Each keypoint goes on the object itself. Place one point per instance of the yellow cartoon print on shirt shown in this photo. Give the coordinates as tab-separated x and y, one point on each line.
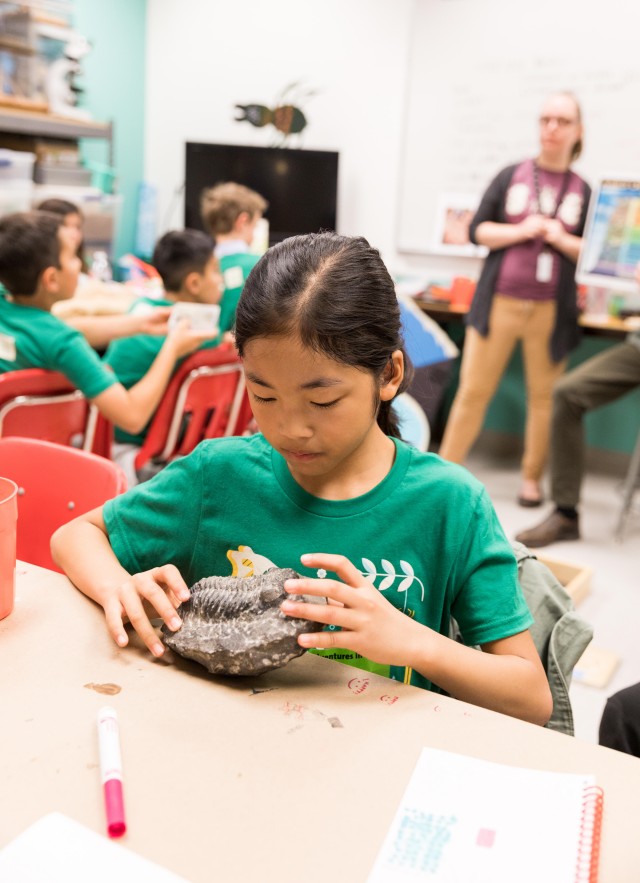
246	562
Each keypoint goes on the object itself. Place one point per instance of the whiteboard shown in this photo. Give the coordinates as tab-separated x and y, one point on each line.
479	71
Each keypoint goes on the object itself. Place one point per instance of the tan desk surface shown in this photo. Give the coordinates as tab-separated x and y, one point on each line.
95	298
294	776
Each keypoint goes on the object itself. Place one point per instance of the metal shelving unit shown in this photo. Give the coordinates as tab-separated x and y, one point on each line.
24	122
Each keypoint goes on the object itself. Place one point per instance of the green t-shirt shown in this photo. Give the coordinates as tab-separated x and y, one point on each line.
427	535
34	338
235	268
131	357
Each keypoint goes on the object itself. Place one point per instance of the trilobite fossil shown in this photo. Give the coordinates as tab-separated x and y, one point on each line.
234	625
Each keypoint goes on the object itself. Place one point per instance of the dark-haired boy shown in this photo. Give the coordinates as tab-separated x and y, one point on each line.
39	266
190	273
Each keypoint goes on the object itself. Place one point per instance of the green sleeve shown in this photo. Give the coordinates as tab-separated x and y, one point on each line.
157	522
77	360
489	604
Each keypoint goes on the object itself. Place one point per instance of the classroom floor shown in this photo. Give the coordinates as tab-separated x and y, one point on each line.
613	605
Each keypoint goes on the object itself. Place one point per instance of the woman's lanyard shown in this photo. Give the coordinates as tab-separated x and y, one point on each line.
544	264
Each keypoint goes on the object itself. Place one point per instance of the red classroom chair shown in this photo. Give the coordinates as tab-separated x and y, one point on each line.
55	484
35	403
206	398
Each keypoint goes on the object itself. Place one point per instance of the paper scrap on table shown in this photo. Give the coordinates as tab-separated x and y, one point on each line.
57	849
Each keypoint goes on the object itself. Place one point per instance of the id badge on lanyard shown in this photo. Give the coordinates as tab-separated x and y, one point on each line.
544	266
544	263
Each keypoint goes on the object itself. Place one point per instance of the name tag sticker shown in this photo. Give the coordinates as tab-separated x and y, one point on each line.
7	348
544	266
233	277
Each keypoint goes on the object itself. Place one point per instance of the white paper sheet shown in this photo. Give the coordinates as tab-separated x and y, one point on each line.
463	819
57	849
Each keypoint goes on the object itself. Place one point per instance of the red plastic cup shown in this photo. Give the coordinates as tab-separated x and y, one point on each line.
8	522
462	291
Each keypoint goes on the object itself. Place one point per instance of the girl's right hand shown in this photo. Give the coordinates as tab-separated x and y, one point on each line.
161	589
184	341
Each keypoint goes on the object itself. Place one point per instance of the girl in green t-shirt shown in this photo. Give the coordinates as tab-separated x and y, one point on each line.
318	328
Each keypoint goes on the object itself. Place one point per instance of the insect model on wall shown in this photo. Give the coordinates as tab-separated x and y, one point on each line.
285	117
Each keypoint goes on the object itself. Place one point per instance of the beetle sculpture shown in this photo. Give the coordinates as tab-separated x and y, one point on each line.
287	118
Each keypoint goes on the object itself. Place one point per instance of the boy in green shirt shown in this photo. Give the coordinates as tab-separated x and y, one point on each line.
190	274
39	266
230	212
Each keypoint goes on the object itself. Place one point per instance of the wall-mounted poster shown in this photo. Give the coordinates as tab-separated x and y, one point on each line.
455	212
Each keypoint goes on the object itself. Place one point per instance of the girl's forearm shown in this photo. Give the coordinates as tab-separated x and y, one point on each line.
101	330
131	409
146	394
503	682
82	550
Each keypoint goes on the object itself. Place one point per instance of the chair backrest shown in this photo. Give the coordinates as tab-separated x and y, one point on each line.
413	422
55	484
206	398
35	403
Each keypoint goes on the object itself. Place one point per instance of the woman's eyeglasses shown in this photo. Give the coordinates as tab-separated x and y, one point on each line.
561	122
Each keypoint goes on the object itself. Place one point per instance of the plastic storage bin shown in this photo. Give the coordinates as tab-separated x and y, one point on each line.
15	196
16	165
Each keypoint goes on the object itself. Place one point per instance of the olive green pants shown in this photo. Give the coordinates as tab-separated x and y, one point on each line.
598	381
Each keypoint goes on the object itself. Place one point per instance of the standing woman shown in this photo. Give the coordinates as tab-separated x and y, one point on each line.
531	219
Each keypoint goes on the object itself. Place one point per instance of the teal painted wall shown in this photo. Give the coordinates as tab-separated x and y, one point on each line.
614	427
114	83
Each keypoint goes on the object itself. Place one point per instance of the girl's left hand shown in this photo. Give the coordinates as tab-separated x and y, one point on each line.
370	625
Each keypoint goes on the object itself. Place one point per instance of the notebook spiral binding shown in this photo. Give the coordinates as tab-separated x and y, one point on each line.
590	830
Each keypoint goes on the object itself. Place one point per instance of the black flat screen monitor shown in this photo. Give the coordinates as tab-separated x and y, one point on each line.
301	186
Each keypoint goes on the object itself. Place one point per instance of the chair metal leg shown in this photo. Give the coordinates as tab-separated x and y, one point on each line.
628	490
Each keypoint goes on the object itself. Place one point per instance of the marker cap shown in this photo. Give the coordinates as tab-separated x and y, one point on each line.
114	803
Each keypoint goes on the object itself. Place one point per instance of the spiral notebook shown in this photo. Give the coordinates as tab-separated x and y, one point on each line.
463	819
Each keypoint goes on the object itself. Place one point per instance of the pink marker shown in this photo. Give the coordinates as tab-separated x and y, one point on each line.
111	770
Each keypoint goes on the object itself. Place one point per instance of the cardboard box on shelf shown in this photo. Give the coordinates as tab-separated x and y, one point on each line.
575	578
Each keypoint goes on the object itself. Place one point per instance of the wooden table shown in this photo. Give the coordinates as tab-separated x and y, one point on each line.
95	298
601	326
294	776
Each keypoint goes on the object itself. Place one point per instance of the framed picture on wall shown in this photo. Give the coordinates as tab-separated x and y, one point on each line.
454	214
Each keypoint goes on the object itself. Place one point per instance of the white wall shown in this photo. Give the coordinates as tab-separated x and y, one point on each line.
204	56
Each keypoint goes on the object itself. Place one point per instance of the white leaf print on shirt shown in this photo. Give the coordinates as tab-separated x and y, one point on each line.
390	575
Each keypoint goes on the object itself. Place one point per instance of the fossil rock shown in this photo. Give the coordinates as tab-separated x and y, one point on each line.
234	626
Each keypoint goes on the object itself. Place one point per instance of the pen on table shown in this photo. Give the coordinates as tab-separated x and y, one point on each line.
111	770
